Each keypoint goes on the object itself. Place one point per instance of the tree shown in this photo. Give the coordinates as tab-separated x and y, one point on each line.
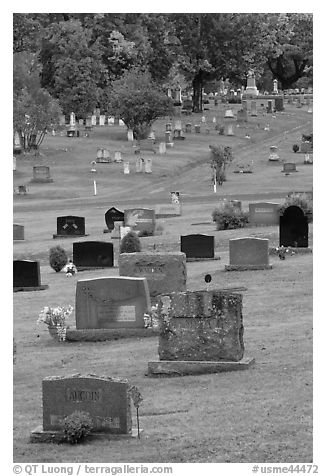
220	157
72	67
138	101
289	54
34	110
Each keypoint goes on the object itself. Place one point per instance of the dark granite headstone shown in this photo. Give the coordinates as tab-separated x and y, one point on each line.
197	246
105	399
18	232
26	274
93	254
70	226
294	228
113	215
279	104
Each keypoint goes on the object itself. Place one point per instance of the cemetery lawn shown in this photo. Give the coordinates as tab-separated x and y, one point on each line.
263	414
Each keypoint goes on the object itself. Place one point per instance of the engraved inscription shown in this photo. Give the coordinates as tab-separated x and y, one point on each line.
76	395
126	313
150	269
106	422
264	210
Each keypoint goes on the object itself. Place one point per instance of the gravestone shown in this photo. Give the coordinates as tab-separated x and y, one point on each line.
14	165
200	332
264	213
102	120
18	232
111	216
229	114
139	165
106	400
289	167
130	135
92	254
275	86
188	128
140	219
41	174
251	89
229	130
168	126
197	128
126	168
162	148
244	103
27	276
279	104
70	226
270	106
273	156
93	120
165	272
168	210
248	254
294	228
197	246
168	139
117	157
111	302
148	165
253	108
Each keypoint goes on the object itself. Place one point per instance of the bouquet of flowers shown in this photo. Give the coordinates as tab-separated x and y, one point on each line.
56	317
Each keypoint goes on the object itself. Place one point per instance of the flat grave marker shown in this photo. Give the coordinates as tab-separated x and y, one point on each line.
18	232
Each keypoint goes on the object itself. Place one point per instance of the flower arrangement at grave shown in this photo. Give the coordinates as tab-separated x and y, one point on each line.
56	320
151	320
282	251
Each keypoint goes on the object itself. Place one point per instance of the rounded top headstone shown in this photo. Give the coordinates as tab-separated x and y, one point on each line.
208	278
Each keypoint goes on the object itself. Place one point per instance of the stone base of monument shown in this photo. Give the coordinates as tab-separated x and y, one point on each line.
67	236
50	436
247	267
203	259
93	268
41	180
300	250
95	335
178	368
30	288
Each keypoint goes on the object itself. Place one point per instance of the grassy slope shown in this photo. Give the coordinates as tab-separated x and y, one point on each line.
263	414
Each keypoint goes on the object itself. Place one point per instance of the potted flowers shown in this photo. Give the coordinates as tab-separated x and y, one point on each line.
55	318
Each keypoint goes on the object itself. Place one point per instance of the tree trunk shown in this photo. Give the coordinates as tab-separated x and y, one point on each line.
197	98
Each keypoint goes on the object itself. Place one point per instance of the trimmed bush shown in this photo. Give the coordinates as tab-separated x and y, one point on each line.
130	243
77	426
300	200
58	258
227	217
295	148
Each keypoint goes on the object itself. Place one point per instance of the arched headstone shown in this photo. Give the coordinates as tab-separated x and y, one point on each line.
294	228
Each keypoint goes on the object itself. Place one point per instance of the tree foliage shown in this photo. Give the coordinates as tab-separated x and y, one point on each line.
138	101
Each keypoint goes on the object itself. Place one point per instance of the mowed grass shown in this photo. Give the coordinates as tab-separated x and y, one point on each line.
262	414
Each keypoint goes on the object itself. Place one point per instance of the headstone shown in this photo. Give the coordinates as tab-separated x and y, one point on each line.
41	174
279	104
229	130
140	219
111	216
188	128
130	135
139	165
162	148
102	120
111	302
116	232
244	103
92	254
165	272
251	89
273	156
89	123
264	213
18	232
110	120
289	167
270	106
70	225
197	128
121	123
81	122
253	108
72	122
203	326
117	157
168	139
26	274
248	254
148	165
275	86
126	169
294	228
93	120
228	114
197	246
168	127
168	210
309	109
14	164
105	399
178	125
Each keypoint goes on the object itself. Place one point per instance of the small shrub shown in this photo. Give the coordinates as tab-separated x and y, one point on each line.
295	148
130	243
58	258
77	427
300	200
227	217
